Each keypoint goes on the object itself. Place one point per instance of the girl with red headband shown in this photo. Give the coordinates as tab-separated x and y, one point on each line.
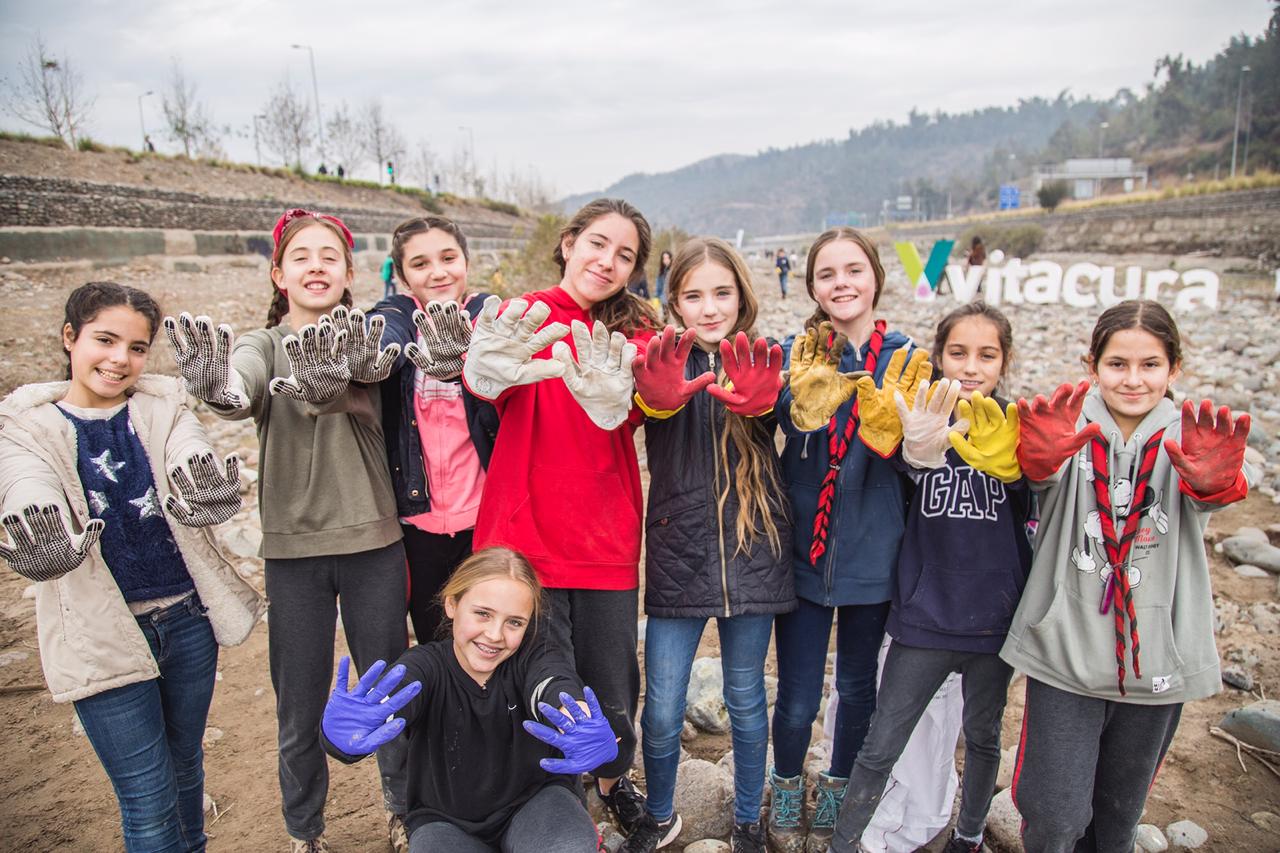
849	509
329	525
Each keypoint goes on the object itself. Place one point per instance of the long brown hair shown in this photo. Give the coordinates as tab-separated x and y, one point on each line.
624	311
843	232
755	477
280	302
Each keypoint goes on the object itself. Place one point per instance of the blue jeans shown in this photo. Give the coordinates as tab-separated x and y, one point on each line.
669	647
802	638
147	735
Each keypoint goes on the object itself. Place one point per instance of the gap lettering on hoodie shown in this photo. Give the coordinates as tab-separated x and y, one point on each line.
962	492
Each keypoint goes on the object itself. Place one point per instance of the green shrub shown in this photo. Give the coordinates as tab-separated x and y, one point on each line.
88	144
47	141
1051	194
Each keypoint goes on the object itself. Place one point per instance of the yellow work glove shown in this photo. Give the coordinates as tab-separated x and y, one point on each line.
992	446
818	387
879	426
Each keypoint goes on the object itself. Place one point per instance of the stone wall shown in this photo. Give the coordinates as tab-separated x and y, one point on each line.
32	201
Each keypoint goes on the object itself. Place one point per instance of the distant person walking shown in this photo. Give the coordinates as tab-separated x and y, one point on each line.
660	282
388	277
783	269
977	254
640	287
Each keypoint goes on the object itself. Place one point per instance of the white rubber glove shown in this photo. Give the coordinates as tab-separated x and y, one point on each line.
600	379
925	426
503	345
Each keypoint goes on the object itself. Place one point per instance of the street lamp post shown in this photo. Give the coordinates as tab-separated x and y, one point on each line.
315	90
1235	137
142	121
1097	183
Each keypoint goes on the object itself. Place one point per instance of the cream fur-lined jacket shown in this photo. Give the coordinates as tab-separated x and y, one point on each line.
89	640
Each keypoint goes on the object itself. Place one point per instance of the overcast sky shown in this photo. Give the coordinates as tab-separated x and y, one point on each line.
586	93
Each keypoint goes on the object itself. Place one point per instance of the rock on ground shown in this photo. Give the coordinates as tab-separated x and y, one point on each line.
1254	552
1257	724
1004	824
704	799
704	701
1150	839
1185	835
708	845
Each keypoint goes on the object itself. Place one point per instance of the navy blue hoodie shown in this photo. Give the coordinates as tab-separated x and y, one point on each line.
964	560
869	513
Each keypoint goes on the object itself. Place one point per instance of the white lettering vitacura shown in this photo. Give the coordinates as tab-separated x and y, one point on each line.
1081	285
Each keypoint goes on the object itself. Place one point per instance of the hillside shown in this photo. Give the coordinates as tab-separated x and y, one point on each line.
1182	124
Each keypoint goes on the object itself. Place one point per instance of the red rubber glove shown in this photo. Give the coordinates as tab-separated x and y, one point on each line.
659	371
755	370
1211	454
1048	434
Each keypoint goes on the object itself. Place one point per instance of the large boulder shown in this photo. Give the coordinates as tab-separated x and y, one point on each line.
1252	551
704	799
704	701
1257	724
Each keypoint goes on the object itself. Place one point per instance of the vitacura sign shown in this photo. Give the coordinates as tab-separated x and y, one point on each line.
1080	285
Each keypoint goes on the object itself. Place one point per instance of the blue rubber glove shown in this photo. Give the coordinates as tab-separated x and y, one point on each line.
356	721
583	736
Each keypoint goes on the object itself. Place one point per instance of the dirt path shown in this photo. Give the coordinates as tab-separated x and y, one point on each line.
55	795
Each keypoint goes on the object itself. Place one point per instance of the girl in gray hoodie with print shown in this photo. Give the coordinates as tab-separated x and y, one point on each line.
1115	627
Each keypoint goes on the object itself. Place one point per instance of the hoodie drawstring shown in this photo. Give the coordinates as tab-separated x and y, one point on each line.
1117	548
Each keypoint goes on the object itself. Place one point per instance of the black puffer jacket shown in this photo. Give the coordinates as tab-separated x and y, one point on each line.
693	567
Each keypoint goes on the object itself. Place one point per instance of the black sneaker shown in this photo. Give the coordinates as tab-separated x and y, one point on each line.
649	835
626	804
956	844
748	838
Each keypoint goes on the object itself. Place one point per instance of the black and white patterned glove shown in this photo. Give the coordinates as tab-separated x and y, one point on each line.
503	346
209	495
203	355
600	379
318	361
43	548
368	362
444	339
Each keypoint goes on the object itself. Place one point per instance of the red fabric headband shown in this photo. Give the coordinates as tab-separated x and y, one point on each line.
297	212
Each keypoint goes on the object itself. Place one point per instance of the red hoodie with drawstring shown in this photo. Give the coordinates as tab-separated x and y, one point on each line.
560	490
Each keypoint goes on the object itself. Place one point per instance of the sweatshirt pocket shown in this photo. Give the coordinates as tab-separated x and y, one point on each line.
965	603
1077	645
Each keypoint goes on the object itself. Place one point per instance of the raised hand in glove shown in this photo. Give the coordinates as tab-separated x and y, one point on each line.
1047	430
355	721
1212	453
366	359
583	736
318	361
42	548
754	372
818	387
503	345
600	379
992	445
445	330
209	495
203	356
926	425
878	424
659	371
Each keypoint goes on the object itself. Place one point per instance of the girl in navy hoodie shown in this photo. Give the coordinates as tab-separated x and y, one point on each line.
951	611
848	505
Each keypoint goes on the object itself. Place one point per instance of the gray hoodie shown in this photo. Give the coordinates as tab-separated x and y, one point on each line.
1059	636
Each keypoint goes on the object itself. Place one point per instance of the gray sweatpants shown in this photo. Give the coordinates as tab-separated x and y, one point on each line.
303	595
553	819
911	676
1084	769
597	629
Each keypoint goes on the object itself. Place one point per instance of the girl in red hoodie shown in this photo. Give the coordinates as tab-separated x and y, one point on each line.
563	485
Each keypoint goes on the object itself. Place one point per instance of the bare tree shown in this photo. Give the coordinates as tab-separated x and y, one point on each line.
346	138
186	117
383	141
288	129
49	93
424	165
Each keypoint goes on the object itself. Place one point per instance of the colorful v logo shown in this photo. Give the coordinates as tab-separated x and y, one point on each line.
924	277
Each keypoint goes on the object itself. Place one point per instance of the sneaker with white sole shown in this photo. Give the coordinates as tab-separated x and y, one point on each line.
649	835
